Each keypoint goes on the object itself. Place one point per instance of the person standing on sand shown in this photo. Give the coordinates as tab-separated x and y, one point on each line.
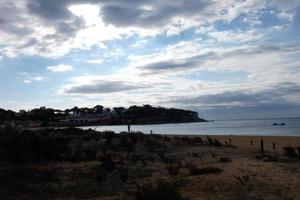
128	126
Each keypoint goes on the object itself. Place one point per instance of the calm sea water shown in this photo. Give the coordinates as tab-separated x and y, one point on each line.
218	127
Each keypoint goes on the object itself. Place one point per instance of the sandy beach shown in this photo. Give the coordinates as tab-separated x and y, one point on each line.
244	141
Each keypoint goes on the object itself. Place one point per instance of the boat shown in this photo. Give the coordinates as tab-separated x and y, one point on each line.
279	124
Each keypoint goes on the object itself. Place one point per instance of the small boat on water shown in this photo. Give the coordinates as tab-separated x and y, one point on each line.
279	124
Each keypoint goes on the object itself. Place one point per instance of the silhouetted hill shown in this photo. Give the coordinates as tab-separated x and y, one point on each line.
145	114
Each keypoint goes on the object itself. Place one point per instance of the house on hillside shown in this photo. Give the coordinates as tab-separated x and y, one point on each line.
87	117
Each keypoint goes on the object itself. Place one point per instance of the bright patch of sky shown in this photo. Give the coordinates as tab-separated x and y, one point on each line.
215	57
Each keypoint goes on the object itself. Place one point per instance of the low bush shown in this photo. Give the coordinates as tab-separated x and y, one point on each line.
213	142
225	159
99	173
29	146
162	192
173	170
290	152
194	171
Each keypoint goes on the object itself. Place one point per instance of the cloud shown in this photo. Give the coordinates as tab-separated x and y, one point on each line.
236	36
286	16
192	56
34	79
96	61
53	28
178	64
61	68
280	99
285	92
101	87
151	14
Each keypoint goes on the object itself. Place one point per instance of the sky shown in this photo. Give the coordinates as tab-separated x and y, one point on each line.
221	58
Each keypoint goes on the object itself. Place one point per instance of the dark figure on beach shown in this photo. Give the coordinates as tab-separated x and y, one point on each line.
128	126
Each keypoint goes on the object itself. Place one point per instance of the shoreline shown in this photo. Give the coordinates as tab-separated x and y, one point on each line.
243	141
86	124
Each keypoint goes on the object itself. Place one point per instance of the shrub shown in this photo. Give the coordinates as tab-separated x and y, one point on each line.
162	192
290	152
99	173
217	143
173	170
109	135
124	174
198	140
90	154
32	146
108	163
206	170
213	142
225	159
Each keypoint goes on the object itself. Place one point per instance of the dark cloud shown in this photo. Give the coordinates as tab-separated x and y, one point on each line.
278	93
178	64
199	60
235	104
245	103
22	22
56	14
30	42
124	12
145	13
261	110
11	20
263	48
156	14
102	87
227	98
52	10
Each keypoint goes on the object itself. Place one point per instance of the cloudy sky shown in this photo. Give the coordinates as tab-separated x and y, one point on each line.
223	58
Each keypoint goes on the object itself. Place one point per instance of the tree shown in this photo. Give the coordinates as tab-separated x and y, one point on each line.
107	110
98	109
75	109
119	110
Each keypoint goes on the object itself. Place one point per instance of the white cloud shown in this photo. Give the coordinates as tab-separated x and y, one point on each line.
38	78
140	43
61	68
52	31
236	36
173	30
33	79
286	16
96	61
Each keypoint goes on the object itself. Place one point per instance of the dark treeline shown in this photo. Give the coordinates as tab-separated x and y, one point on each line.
145	114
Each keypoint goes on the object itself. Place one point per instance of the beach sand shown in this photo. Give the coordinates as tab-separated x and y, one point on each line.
266	179
244	141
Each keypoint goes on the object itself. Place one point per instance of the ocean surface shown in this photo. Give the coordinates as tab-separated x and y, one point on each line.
218	127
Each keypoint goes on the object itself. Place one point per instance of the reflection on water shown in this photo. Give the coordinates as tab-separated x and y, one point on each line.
219	127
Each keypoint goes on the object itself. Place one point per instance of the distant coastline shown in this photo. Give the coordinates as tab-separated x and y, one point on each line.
97	116
111	123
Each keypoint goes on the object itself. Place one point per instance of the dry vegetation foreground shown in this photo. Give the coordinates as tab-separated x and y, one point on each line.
78	164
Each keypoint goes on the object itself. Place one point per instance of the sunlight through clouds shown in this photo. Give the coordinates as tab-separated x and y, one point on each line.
191	54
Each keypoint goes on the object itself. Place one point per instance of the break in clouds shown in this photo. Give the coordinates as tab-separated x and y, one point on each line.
229	56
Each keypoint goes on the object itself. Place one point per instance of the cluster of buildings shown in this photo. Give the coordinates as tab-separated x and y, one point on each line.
88	117
60	118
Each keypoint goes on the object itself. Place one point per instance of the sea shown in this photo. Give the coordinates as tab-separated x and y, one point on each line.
260	127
